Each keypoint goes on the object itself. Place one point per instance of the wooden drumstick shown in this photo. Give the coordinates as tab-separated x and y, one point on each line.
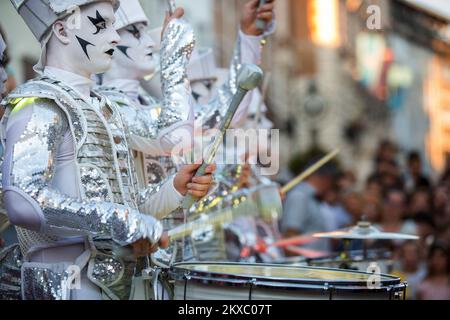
310	171
171	6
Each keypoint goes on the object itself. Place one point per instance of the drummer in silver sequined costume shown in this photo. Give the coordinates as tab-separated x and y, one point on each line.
121	84
68	179
143	115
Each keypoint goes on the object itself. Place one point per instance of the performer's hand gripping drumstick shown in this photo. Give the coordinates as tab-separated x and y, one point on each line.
261	24
256	15
172	13
249	78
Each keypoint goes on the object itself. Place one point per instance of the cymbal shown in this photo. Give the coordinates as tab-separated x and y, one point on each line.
364	231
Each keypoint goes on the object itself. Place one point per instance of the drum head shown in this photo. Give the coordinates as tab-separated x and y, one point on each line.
285	274
232	281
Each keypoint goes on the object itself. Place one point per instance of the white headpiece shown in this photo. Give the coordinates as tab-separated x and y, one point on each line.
40	15
130	12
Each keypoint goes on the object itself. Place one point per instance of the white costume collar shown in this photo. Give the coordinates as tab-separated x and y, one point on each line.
81	84
130	87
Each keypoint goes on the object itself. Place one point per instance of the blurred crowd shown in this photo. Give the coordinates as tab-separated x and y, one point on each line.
397	197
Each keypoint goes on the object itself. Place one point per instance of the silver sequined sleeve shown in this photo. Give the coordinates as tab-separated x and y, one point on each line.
177	115
247	50
160	199
34	136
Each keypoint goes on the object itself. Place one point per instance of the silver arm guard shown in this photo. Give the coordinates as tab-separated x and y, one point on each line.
33	203
177	45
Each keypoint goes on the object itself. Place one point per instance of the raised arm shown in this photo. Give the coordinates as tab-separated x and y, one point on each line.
159	128
248	50
34	136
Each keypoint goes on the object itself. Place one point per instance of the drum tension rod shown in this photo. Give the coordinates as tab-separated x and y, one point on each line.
252	284
187	277
330	289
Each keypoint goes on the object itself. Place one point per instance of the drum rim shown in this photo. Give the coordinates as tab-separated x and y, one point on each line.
187	274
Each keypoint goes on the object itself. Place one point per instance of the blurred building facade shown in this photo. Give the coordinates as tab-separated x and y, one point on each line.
353	72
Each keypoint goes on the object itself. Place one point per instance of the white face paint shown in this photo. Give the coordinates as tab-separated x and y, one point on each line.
3	75
93	41
135	52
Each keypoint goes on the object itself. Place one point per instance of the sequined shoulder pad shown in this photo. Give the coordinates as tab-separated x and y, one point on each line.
62	96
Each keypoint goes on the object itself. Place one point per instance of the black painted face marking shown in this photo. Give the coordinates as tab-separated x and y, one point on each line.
99	22
196	96
209	85
84	44
134	31
124	50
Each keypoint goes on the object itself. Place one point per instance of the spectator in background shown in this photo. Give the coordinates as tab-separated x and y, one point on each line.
335	215
374	188
353	204
393	214
436	285
371	209
347	181
387	152
445	234
426	229
411	268
415	178
419	201
387	171
392	219
445	178
302	209
441	201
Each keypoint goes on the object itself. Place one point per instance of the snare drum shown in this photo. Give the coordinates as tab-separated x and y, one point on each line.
230	281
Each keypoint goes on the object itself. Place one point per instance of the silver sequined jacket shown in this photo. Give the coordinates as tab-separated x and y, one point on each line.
103	201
